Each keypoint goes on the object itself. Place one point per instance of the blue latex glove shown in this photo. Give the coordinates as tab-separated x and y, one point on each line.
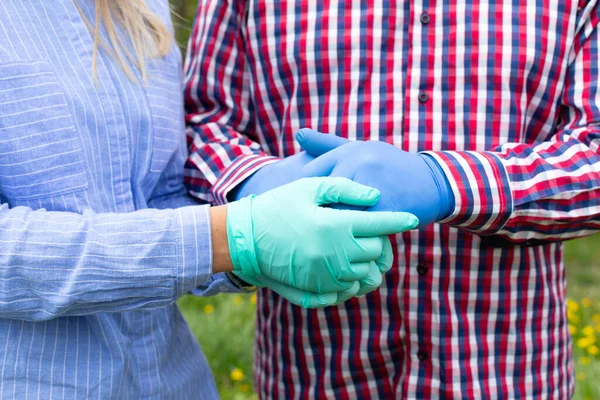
287	236
409	182
273	175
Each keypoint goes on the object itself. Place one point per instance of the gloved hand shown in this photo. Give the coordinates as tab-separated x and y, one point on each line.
315	300
285	235
409	182
274	175
300	297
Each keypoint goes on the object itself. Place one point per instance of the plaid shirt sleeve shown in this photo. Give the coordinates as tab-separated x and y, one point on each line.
544	191
219	112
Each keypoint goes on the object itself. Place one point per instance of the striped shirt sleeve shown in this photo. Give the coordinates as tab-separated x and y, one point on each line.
220	114
64	264
545	191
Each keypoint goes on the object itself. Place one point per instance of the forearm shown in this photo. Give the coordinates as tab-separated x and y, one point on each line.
58	264
223	144
528	193
220	159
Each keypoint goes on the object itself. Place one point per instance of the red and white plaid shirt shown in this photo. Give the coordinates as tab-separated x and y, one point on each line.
504	94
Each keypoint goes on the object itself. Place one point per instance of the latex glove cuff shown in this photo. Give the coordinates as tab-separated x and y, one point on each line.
240	236
443	186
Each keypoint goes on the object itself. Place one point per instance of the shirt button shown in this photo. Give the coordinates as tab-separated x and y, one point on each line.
423	97
421	269
422	355
425	18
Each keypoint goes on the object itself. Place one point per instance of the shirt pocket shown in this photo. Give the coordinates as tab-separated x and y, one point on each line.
165	95
40	150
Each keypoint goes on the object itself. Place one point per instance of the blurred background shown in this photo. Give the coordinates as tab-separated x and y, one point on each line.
224	324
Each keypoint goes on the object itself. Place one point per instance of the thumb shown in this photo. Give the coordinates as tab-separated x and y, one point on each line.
301	298
316	143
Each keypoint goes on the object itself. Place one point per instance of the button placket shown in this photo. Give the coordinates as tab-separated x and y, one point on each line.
425	19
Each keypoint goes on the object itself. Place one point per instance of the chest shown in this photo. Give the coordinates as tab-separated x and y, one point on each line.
401	68
70	131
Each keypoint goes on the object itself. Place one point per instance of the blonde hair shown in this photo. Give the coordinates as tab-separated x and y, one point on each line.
148	34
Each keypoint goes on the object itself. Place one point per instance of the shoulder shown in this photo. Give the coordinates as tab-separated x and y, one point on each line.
161	7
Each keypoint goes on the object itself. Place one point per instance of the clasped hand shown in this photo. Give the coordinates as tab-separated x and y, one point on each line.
310	254
407	182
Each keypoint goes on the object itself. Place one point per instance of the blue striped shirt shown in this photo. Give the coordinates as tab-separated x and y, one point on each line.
97	235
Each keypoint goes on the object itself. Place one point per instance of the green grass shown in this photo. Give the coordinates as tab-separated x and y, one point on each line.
224	326
582	260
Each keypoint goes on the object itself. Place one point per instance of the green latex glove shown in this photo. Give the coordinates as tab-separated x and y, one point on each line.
287	236
300	297
377	269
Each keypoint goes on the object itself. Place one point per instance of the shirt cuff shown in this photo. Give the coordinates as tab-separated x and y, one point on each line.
236	173
222	283
195	248
481	187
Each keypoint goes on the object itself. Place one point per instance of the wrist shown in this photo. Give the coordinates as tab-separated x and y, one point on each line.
245	188
241	283
220	249
240	237
254	183
443	185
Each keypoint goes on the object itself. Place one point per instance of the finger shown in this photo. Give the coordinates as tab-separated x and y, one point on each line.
377	223
299	297
353	272
314	300
367	249
385	261
348	294
321	166
345	172
372	281
316	143
342	190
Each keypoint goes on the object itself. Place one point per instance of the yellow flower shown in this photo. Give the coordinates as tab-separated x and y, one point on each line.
572	305
588	331
237	375
253	299
245	388
596	318
572	329
586	302
580	376
593	350
584	360
573	317
209	309
237	299
586	342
